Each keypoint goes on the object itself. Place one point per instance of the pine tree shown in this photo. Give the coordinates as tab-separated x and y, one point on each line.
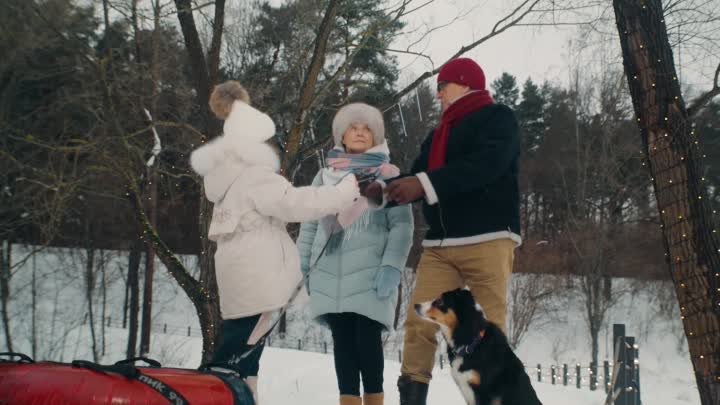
505	90
530	117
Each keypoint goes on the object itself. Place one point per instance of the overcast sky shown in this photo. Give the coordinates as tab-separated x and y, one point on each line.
542	53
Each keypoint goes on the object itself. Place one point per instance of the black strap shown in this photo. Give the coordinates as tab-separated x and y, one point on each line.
22	358
150	362
131	372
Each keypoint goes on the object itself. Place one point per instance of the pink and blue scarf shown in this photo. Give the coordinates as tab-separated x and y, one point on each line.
373	164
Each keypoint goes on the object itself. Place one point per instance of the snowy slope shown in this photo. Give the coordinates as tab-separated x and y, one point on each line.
666	372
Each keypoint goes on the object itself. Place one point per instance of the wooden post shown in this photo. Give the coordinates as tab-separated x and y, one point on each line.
621	382
636	378
565	374
164	328
606	376
578	376
593	376
631	387
188	331
552	374
539	372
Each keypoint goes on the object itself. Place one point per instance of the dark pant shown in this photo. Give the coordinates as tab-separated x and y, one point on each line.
233	344
357	346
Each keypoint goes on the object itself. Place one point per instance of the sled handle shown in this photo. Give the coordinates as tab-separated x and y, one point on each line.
148	361
24	358
125	370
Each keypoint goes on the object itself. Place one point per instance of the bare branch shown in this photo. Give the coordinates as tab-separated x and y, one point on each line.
216	42
422	55
700	102
306	95
500	27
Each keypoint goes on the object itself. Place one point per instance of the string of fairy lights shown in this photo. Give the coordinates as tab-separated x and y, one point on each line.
670	218
676	218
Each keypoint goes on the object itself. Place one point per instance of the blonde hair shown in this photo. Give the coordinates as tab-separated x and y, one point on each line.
224	95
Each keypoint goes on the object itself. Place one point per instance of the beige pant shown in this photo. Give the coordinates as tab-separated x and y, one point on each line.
484	267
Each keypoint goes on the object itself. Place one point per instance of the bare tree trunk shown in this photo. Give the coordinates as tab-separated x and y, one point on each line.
203	293
33	309
126	303
134	287
89	287
5	256
308	89
146	323
674	160
103	286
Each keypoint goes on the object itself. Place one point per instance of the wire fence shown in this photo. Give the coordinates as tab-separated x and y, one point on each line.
575	375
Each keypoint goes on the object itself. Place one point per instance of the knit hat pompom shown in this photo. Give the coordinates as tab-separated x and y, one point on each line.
463	71
223	96
358	113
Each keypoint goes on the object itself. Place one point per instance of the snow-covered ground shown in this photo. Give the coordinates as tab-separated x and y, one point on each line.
666	372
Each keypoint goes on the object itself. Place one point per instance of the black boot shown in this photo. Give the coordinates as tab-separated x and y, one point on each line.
412	392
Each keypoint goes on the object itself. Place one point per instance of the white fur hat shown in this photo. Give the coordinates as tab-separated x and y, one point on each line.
358	113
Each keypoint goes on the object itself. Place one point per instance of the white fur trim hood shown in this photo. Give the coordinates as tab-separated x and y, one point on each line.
242	145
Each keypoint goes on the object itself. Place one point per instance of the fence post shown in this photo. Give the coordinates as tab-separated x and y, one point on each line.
188	331
539	371
632	383
164	328
578	376
565	374
593	376
325	347
552	374
441	362
299	344
108	321
606	376
637	374
620	356
400	356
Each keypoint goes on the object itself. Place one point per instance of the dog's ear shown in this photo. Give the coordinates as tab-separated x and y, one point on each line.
472	310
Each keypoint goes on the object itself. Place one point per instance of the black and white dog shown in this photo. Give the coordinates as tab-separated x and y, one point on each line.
483	365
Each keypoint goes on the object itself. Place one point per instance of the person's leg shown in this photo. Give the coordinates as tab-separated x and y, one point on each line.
435	275
233	346
342	327
370	358
486	269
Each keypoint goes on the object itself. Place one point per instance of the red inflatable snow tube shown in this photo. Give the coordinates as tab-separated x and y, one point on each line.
25	382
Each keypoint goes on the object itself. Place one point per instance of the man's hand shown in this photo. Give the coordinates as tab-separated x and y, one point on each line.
373	192
405	190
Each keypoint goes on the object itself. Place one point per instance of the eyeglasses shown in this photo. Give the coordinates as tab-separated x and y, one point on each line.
441	86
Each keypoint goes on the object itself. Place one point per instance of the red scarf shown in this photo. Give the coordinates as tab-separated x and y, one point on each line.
458	110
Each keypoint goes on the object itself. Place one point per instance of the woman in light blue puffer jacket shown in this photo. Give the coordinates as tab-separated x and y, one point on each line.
358	256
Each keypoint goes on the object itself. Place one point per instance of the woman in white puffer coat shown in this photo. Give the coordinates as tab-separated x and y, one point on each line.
256	262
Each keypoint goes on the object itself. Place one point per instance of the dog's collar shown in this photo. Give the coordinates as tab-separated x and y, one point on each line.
464	350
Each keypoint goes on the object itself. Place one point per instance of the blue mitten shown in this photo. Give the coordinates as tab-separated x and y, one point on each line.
387	280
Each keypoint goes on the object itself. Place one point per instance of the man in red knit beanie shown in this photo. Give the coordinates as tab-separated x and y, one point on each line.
467	178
